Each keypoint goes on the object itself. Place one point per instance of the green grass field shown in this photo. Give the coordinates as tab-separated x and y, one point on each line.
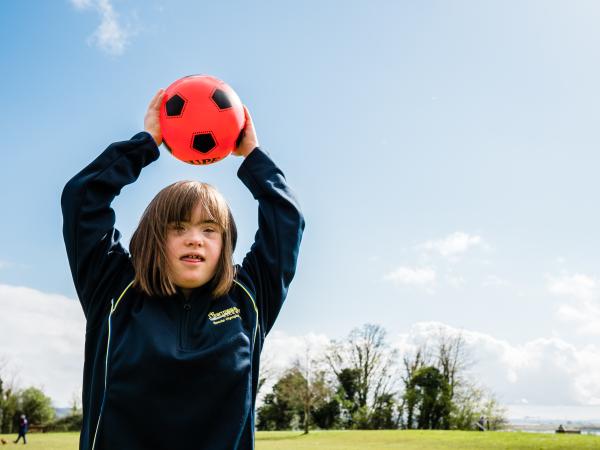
359	440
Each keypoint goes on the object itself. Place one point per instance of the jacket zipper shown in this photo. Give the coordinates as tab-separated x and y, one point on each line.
183	329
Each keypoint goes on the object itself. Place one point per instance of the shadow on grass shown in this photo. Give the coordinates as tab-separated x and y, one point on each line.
283	437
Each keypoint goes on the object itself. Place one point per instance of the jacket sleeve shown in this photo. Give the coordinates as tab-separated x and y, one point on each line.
95	254
271	261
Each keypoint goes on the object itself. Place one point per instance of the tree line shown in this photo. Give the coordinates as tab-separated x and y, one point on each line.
358	383
35	404
361	383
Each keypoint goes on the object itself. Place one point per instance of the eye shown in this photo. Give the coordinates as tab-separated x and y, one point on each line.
178	227
211	227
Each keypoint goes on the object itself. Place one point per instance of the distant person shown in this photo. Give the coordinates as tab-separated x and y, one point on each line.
481	424
173	324
23	427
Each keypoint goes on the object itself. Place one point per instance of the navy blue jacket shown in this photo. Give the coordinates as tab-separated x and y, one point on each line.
170	373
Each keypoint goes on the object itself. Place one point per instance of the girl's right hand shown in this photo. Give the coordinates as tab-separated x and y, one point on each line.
247	141
151	121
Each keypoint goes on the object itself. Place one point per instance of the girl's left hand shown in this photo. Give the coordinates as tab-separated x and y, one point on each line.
152	119
247	141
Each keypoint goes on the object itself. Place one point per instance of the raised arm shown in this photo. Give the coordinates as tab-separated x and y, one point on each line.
271	261
92	242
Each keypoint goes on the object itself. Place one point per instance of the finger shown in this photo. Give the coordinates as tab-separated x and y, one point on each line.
156	101
152	102
249	123
160	97
240	138
156	96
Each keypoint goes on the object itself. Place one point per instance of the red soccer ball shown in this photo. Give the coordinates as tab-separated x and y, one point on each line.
201	118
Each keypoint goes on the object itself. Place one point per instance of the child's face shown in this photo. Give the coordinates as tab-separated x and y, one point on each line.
193	251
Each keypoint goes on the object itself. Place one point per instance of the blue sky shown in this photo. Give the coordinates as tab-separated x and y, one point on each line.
445	155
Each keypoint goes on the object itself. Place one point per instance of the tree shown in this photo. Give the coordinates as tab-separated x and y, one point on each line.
347	391
36	406
9	401
384	415
466	407
453	359
267	372
470	403
274	414
363	364
1	402
430	393
75	404
313	388
409	399
288	399
303	390
495	413
448	353
291	388
308	390
301	395
10	408
327	415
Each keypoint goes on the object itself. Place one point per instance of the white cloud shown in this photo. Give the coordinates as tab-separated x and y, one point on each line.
417	276
281	349
42	338
454	244
110	36
455	280
81	4
586	315
494	281
579	286
280	352
583	293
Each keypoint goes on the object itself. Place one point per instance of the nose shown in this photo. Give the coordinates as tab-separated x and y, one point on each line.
194	238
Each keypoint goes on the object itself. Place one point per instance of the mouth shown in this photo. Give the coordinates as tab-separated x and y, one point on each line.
193	258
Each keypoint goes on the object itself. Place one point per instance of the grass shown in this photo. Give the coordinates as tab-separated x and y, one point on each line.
422	440
47	441
375	440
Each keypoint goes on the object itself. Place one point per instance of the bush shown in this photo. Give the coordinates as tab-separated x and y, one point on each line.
70	423
36	406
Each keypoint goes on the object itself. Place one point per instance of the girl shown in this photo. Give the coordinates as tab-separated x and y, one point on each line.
175	329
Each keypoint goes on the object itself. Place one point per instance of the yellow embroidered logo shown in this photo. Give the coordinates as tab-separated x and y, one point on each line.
219	317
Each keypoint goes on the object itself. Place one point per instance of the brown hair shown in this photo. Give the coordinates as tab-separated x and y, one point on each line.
175	204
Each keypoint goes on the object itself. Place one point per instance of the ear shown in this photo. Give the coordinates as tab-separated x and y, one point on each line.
233	230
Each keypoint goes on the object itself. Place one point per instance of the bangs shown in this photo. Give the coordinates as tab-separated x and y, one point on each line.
184	196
